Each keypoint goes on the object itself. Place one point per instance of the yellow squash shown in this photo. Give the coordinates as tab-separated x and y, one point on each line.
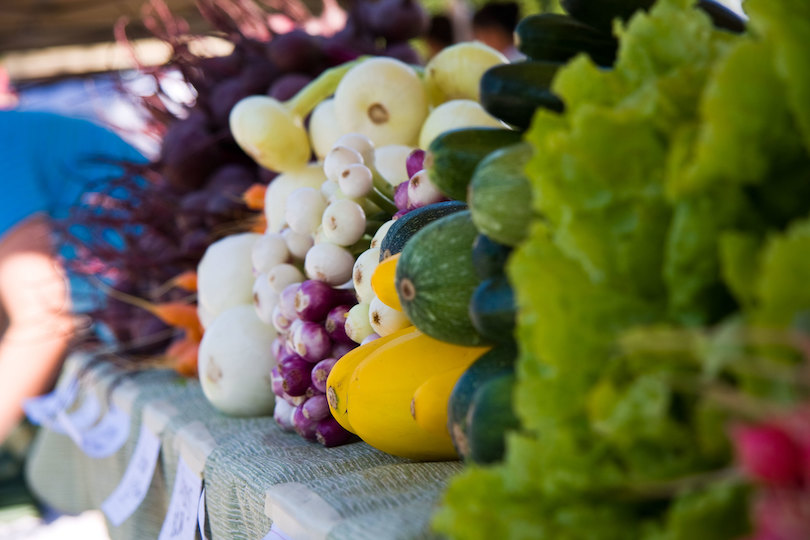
382	387
429	403
383	282
337	384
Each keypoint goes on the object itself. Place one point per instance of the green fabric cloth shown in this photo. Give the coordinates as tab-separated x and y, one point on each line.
350	492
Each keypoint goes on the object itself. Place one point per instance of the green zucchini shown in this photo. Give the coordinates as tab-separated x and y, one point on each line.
558	38
512	92
409	224
492	309
489	257
500	195
497	361
490	418
601	13
435	279
452	157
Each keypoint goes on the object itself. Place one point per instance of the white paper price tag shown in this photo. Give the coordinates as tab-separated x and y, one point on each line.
42	410
181	518
82	418
129	494
106	437
276	534
201	515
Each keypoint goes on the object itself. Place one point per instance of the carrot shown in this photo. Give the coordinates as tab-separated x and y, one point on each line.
254	196
259	224
186	281
182	356
179	314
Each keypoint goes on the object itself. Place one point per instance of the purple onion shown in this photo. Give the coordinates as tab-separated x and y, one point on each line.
341	348
303	425
277	382
315	298
321	372
311	341
335	323
277	347
295	401
282	413
401	196
329	433
286	301
296	375
415	161
316	408
280	322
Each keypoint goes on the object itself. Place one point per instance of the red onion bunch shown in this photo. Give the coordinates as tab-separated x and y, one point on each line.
309	318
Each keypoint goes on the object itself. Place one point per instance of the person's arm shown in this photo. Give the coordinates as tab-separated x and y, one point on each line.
34	296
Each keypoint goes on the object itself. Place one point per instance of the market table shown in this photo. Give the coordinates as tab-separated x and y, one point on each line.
256	477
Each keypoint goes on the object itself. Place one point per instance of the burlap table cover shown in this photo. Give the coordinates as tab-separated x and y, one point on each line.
253	472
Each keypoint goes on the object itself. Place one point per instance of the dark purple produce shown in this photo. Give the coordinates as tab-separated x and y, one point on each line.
315	298
340	348
288	85
277	382
329	433
401	196
311	341
397	20
415	161
303	425
335	324
286	301
296	375
320	372
316	408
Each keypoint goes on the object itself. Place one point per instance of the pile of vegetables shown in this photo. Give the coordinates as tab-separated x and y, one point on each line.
141	237
661	385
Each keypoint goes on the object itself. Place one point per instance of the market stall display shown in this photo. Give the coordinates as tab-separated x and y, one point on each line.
573	282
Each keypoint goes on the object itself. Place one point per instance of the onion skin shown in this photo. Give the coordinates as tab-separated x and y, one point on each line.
314	299
320	372
335	323
295	374
311	341
329	433
316	408
303	425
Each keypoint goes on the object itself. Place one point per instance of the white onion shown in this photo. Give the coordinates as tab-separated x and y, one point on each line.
225	275
344	222
356	180
305	207
329	263
265	298
362	270
282	275
297	244
235	361
358	142
385	320
376	240
338	159
357	326
269	250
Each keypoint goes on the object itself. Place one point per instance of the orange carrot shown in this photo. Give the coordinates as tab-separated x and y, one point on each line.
259	224
254	196
179	314
182	356
186	281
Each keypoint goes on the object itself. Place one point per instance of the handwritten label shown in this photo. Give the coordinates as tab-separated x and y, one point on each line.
201	515
132	488
276	534
42	410
82	418
181	518
106	437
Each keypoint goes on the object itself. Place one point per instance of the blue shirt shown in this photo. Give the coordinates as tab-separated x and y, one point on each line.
48	161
